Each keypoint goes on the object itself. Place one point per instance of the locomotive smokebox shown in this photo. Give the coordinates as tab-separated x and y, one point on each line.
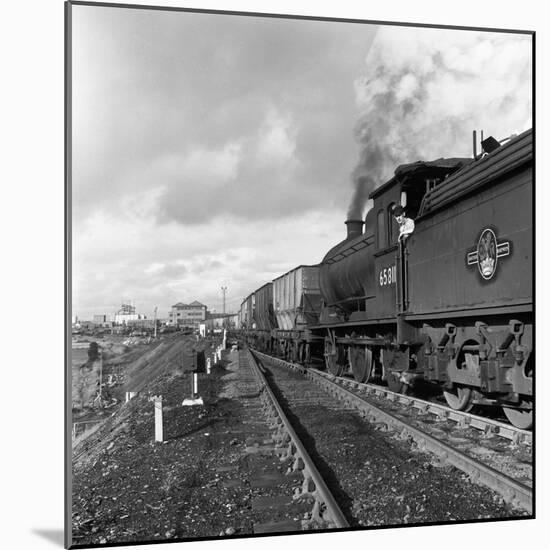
346	274
355	228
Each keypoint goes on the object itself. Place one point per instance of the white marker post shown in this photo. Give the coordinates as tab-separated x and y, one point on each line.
159	431
208	365
130	395
194	399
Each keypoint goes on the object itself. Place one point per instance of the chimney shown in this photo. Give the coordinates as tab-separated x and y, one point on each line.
355	228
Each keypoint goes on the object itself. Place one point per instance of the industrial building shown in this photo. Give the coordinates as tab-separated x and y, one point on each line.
187	315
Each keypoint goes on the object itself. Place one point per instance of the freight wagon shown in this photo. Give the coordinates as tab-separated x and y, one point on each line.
297	304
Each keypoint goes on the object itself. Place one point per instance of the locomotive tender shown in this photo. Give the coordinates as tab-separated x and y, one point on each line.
453	306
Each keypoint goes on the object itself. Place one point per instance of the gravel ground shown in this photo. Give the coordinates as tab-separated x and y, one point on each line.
200	483
382	480
208	479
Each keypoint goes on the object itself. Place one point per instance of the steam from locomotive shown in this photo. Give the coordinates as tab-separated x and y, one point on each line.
403	114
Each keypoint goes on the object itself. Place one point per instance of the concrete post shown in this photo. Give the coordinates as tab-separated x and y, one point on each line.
159	427
195	385
208	365
130	395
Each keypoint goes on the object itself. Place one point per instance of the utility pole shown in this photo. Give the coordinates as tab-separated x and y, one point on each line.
224	288
155	322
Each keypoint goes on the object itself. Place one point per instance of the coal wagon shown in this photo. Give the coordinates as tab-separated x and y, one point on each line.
297	304
264	318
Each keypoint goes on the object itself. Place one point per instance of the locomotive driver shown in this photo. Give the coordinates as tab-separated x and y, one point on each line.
406	225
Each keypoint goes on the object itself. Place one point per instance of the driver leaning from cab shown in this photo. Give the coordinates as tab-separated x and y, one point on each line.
406	225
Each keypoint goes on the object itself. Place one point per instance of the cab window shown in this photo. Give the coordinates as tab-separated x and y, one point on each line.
393	226
380	230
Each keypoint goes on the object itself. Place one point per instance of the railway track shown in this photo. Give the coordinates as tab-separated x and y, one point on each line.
483	424
491	453
325	511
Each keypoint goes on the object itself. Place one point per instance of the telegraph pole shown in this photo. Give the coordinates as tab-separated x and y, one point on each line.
155	322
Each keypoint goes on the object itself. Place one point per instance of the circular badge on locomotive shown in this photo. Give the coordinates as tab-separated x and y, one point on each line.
487	254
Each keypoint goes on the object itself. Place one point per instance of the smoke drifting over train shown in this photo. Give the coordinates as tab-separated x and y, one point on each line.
368	173
403	95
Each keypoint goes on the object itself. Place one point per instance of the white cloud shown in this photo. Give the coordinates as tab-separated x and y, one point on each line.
209	166
158	266
154	268
276	139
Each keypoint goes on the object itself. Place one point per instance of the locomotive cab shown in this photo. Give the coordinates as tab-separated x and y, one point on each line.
359	279
407	188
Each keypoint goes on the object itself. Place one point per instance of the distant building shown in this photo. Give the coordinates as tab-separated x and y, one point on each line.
126	318
127	308
187	315
100	319
126	314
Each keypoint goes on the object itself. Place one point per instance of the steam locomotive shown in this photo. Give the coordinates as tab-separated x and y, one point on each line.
452	306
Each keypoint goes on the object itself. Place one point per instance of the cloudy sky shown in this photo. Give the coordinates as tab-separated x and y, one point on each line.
217	150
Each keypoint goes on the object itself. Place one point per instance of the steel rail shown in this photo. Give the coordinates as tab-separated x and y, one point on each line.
325	508
511	490
487	425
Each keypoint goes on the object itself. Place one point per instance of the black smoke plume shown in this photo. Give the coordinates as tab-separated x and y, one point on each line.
369	172
422	93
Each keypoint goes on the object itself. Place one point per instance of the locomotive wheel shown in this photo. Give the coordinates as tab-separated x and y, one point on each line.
334	366
459	398
360	358
394	382
520	418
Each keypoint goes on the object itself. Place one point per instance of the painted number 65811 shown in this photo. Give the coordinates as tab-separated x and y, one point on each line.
387	276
